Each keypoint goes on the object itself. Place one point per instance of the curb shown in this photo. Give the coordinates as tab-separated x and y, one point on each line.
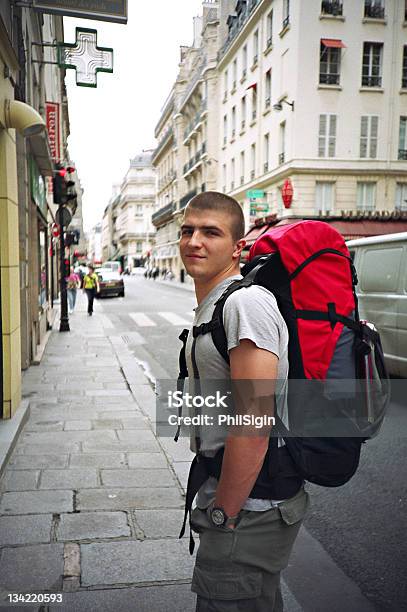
9	432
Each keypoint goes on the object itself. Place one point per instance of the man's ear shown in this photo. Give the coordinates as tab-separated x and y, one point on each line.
239	246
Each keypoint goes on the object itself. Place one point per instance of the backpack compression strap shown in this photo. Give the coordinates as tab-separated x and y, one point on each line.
183	374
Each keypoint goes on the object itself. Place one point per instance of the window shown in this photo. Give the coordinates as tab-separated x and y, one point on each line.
253	161
225	85
225	129
269	29
267	89
372	64
324	196
224	177
327	136
266	152
330	61
366	193
368	136
404	69
374	9
401	196
139	247
242	169
286	13
244	62
255	47
234	68
380	270
243	112
281	156
254	103
232	173
139	209
331	7
403	138
233	122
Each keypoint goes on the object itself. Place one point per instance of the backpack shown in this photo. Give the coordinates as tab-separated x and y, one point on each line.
338	386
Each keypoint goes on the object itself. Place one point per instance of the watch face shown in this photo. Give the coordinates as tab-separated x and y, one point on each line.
218	516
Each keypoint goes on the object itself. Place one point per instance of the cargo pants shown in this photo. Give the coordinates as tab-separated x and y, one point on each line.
238	570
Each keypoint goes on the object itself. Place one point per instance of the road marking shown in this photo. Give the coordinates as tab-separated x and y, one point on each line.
141	319
173	318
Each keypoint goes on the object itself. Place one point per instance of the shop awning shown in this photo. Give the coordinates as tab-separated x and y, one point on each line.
334	43
255	232
363	229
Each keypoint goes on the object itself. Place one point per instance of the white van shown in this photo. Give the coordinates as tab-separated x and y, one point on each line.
381	265
113	265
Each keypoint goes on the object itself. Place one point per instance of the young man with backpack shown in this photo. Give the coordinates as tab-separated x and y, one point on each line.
246	535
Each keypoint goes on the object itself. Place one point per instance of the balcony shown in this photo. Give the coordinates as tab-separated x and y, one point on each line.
163	214
243	125
403	154
254	114
267	102
163	142
331	8
331	78
281	158
241	180
252	174
286	22
374	11
266	166
371	81
184	200
243	10
269	43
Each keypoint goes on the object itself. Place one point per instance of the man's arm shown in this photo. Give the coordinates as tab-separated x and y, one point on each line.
244	454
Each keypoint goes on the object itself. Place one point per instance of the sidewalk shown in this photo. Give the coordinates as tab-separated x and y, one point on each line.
92	501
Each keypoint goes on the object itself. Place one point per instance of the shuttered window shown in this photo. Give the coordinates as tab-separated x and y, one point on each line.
369	126
327	136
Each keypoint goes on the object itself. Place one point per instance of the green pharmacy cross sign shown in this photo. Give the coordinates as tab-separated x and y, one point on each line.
85	57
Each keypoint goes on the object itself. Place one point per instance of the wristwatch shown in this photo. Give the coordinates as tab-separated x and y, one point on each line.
219	518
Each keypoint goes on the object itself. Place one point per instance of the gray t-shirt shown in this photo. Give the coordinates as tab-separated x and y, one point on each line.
249	313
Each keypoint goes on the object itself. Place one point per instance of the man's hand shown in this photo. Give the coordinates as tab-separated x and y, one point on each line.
253	373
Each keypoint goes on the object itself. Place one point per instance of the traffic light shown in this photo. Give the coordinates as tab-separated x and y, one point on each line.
67	267
72	237
64	187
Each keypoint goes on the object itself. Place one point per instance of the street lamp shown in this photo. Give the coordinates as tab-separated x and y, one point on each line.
279	105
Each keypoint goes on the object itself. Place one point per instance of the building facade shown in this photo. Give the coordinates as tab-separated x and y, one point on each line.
186	155
315	92
28	258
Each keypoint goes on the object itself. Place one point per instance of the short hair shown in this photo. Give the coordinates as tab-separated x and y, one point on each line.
214	200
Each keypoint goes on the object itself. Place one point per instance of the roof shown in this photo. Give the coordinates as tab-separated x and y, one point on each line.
142	160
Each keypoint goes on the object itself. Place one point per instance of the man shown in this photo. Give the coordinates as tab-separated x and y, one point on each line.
244	541
90	287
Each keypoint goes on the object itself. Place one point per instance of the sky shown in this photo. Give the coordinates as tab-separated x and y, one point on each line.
112	123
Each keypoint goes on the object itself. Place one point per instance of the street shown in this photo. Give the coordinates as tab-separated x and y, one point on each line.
92	501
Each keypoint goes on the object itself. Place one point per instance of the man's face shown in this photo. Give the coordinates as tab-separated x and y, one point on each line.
206	246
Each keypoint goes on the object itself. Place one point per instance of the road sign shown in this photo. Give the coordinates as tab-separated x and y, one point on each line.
63	216
108	10
255	194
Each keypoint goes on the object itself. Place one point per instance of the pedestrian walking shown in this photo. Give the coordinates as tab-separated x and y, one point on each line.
246	536
73	283
91	287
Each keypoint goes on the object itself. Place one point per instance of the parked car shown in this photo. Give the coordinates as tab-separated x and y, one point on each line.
110	282
381	265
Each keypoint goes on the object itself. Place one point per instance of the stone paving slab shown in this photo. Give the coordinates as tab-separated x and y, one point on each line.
137	422
142	477
93	525
139	435
38	424
41	502
136	561
73	478
19	480
141	446
107	424
34	529
181	468
130	412
146	460
171	598
47	449
21	462
30	568
78	425
64	437
108	393
108	460
161	523
123	498
177	451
